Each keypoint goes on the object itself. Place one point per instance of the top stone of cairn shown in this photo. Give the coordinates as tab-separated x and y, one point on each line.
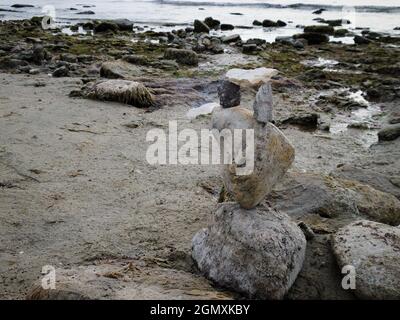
253	78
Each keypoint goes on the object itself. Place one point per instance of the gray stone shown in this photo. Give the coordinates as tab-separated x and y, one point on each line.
257	252
263	104
183	56
231	38
273	155
373	249
61	72
229	94
200	27
389	133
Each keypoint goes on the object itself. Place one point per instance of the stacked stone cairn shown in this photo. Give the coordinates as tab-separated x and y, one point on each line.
248	247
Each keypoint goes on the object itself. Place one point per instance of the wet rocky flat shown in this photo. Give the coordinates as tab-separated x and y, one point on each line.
77	192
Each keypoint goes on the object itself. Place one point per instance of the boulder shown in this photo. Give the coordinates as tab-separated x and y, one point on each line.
256	252
105	26
319	29
281	23
231	38
373	249
390	132
118	69
124	91
200	27
313	37
257	23
212	23
361	40
250	77
249	48
182	56
302	194
269	23
273	155
226	27
61	72
123	24
303	119
263	104
229	94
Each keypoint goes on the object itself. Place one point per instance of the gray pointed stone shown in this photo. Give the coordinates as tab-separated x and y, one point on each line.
263	105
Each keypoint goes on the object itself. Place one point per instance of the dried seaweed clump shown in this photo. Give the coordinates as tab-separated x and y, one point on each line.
124	91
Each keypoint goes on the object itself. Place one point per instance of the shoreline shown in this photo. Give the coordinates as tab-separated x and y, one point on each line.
77	192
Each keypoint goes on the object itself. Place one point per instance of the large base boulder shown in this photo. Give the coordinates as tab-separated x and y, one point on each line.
124	91
256	252
373	249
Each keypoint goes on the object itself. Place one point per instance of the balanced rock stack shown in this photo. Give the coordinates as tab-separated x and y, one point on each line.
251	248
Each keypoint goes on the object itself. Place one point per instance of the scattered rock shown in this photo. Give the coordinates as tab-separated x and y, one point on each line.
231	38
105	26
22	6
389	133
313	38
229	94
249	48
256	252
319	29
123	24
86	12
373	249
257	23
269	23
118	69
124	91
212	23
183	56
319	11
308	120
61	72
200	27
361	40
226	27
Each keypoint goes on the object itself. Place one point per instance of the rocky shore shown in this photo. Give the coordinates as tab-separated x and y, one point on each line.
77	193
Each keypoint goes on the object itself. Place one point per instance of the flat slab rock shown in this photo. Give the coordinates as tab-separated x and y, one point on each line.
126	281
374	250
257	252
252	77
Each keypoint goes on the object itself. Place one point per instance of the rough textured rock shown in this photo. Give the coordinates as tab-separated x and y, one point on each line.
389	133
126	281
256	252
251	78
319	29
273	155
231	38
105	26
118	69
212	23
227	26
301	194
361	40
313	37
200	27
229	94
61	72
374	251
183	56
263	104
128	92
